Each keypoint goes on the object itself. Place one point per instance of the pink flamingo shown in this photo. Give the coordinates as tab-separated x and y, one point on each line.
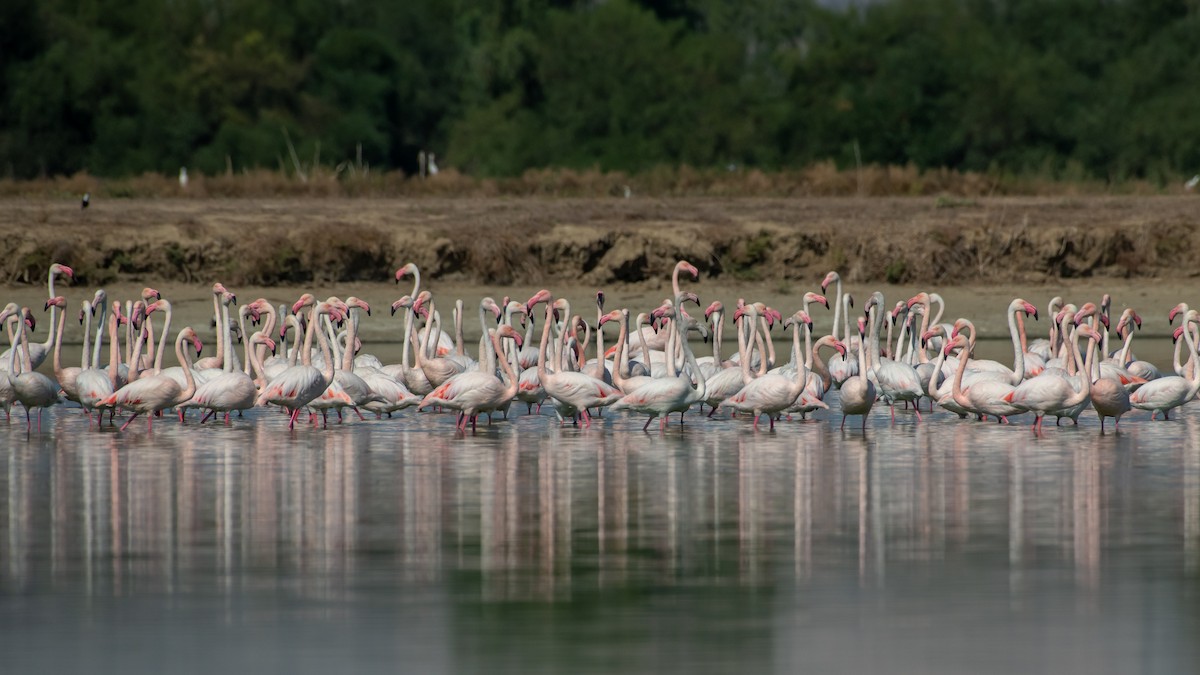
475	392
157	392
577	391
233	389
858	393
30	388
93	384
1048	392
299	385
40	350
672	393
774	392
1167	393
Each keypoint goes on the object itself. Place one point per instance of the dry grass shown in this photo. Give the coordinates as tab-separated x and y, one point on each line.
822	179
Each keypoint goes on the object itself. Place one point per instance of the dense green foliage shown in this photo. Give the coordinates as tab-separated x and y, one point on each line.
1068	88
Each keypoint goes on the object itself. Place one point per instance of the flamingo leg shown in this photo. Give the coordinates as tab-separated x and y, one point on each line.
648	421
756	422
843	421
205	418
227	417
128	421
292	419
893	407
771	419
360	415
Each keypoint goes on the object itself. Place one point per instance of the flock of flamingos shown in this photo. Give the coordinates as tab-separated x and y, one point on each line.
651	370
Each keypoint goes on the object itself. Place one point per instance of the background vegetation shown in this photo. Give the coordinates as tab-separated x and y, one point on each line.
1079	90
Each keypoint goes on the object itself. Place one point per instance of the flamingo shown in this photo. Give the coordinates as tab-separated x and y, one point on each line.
157	392
437	369
40	350
221	321
1048	393
858	393
299	385
774	392
897	381
30	388
1169	392
672	393
93	385
577	391
67	376
232	389
474	392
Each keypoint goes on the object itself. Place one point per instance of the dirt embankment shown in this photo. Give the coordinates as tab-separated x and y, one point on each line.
1028	240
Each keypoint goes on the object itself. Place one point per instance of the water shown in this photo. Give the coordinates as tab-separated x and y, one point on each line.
950	546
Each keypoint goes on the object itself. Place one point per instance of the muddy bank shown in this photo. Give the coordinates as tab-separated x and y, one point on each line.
535	241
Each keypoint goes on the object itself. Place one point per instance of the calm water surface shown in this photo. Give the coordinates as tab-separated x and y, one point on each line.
950	546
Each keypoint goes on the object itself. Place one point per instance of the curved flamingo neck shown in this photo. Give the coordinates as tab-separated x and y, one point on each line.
114	351
511	388
185	361
1018	344
58	369
837	308
85	358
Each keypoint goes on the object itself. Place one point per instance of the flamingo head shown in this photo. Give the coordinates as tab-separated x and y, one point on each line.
60	269
516	307
149	294
137	314
490	305
738	313
156	306
800	318
900	308
359	304
306	300
403	303
773	315
614	315
959	325
190	335
1175	311
849	300
600	300
59	302
410	268
537	298
839	346
1106	303
338	309
685	266
1088	332
261	339
86	309
816	298
121	319
1030	310
219	289
1088	309
98	299
862	327
932	333
506	331
1137	320
714	306
957	342
228	298
918	299
688	296
830	278
1176	333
